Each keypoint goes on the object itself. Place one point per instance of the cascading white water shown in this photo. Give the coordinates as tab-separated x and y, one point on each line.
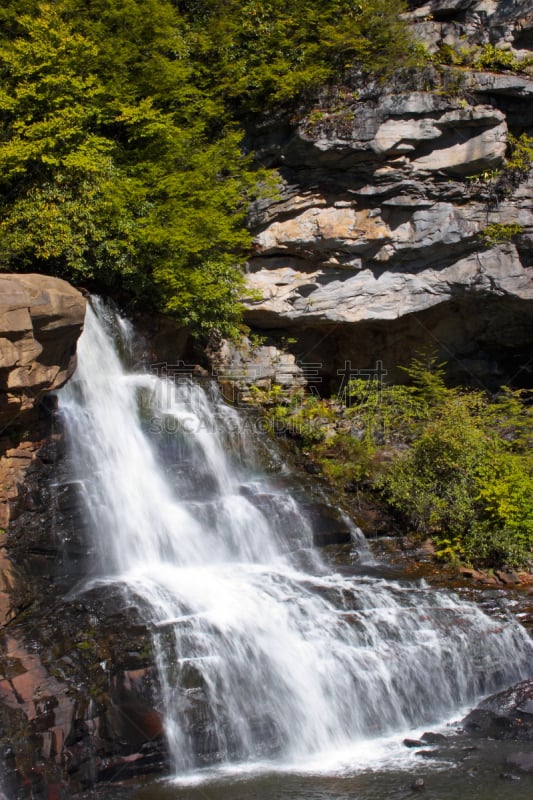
257	655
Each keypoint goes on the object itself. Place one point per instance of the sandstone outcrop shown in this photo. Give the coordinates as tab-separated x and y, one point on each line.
239	368
40	321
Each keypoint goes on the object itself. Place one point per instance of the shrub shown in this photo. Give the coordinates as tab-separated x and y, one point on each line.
498	233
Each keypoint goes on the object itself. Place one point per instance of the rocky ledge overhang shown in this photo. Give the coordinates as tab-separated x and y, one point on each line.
385	192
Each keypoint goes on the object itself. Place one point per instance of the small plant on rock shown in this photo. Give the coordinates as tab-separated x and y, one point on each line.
498	233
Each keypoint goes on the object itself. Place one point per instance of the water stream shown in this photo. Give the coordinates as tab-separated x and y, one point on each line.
264	654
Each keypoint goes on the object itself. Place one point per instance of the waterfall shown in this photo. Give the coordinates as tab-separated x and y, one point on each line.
262	651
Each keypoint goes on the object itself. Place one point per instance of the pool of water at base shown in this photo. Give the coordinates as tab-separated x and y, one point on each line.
460	768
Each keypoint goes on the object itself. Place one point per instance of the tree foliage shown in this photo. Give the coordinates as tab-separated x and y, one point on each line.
121	160
112	169
271	51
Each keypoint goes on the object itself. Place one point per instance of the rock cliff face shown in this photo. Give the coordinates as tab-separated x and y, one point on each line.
40	321
375	245
77	682
507	24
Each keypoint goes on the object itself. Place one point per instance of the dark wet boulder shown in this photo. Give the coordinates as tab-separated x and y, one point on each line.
506	715
79	693
328	524
429	737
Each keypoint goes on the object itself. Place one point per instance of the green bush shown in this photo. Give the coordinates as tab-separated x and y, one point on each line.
498	60
520	157
346	460
467	480
497	233
434	483
455	465
488	57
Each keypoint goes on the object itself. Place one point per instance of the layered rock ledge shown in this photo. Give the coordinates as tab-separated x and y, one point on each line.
385	194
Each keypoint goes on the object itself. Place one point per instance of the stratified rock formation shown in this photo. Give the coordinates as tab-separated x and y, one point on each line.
377	236
41	319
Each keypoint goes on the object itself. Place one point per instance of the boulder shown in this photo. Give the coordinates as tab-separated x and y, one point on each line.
40	321
506	715
329	526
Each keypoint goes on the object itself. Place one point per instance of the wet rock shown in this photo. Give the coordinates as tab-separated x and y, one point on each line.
507	578
506	715
474	574
498	578
328	525
433	738
311	468
413	742
418	785
79	695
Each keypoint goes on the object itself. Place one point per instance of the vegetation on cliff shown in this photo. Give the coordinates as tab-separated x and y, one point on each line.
257	53
121	161
454	465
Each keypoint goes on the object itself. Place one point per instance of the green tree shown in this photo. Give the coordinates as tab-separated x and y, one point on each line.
114	171
55	168
426	374
434	483
272	51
